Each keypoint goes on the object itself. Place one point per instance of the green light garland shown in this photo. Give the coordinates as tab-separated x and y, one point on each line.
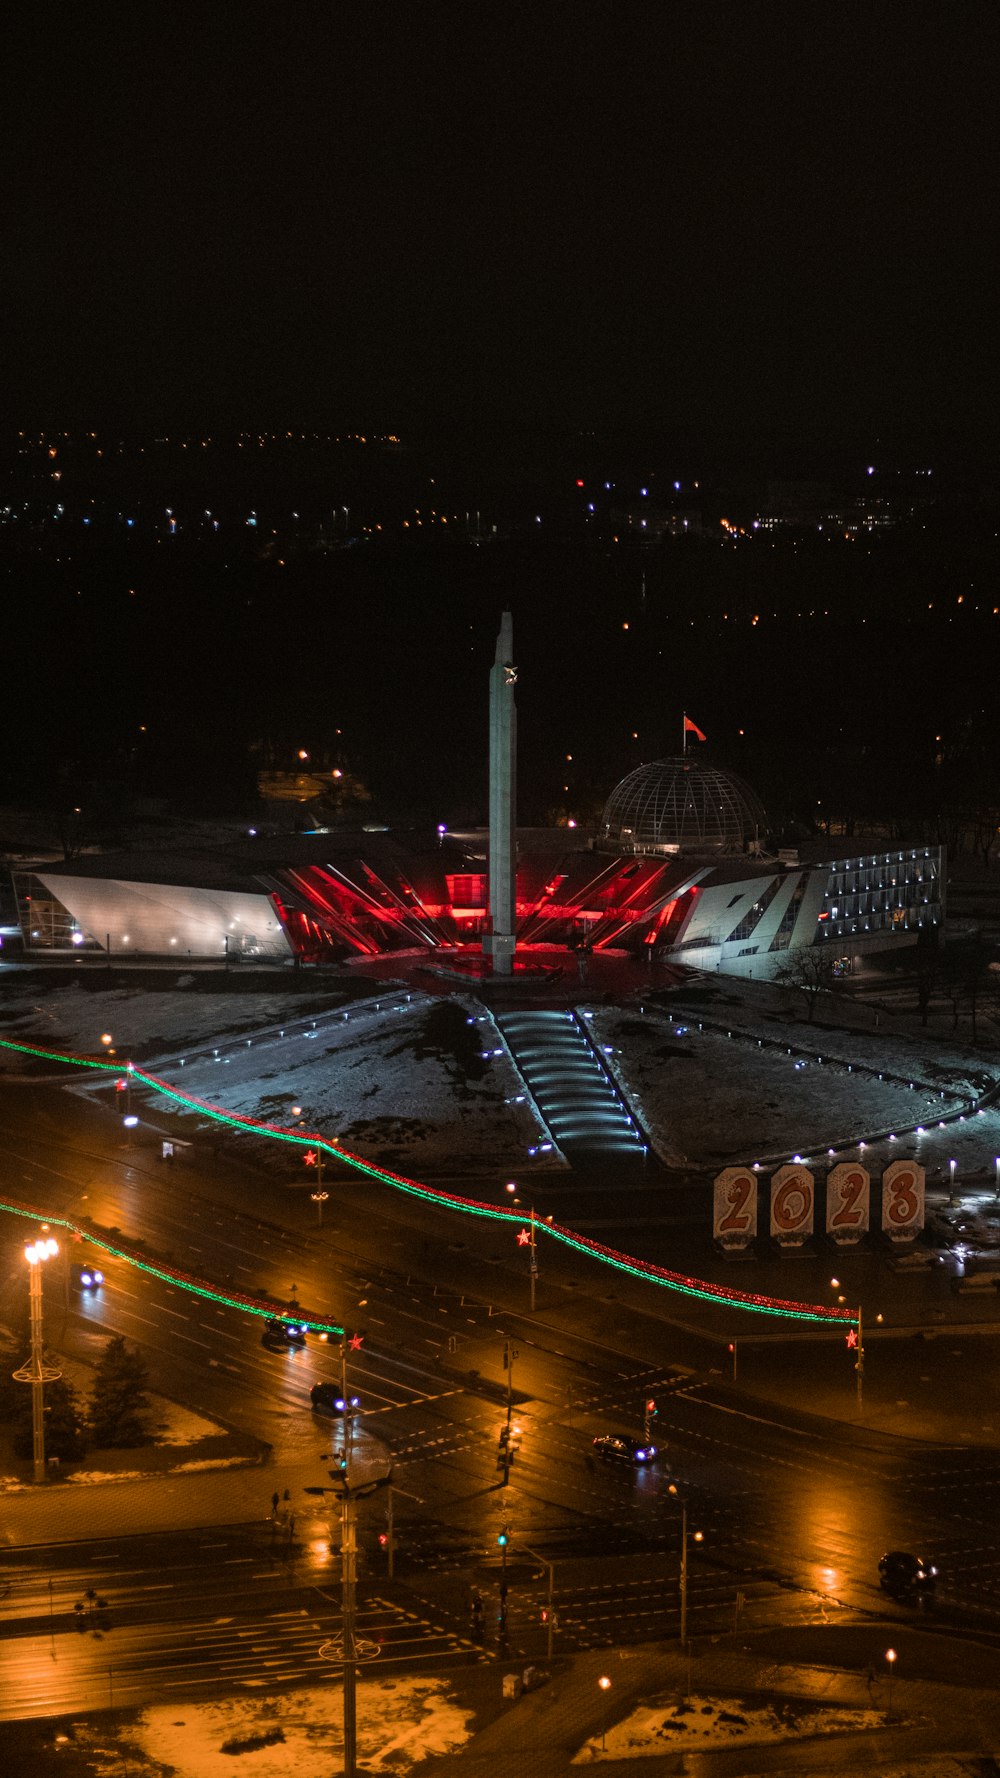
649	1273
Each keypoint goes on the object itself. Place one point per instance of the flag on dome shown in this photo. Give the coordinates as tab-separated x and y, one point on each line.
691	728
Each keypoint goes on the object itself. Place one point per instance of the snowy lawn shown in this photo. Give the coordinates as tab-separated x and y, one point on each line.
400	1722
408	1080
696	1723
710	1099
60	1011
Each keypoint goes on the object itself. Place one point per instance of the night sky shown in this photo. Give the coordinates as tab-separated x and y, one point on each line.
746	221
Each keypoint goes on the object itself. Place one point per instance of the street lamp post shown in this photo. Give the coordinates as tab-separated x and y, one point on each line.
697	1537
36	1371
348	1497
890	1655
319	1198
605	1685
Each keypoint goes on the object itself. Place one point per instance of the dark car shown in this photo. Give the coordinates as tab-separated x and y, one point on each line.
900	1574
88	1277
326	1398
278	1335
620	1447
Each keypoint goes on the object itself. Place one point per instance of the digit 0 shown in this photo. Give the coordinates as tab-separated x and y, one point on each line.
786	1212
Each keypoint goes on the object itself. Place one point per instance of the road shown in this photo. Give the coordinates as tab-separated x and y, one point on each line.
792	1512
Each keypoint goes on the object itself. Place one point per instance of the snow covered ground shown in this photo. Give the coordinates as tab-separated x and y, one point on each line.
711	1098
359	1071
366	1077
400	1722
692	1724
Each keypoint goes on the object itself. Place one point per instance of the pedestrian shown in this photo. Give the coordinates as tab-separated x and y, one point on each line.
274	1504
286	1495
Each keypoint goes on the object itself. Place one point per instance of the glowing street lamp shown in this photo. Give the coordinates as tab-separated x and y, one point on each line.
605	1685
890	1655
36	1371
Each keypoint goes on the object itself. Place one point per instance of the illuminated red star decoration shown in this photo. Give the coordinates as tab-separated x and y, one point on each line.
852	1338
310	1157
523	1239
356	1342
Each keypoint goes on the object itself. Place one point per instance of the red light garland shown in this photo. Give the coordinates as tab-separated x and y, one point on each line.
753	1302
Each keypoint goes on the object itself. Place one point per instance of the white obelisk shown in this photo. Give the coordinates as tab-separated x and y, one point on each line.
499	940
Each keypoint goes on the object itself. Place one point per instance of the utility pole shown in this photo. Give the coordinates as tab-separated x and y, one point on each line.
860	1365
533	1261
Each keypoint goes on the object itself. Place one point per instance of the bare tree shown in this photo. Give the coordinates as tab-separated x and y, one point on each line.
809	970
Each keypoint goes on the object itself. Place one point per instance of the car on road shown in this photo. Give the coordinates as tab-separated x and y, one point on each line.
279	1335
326	1398
621	1447
87	1277
901	1574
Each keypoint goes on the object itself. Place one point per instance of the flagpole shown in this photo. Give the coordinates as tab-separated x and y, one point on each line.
684	733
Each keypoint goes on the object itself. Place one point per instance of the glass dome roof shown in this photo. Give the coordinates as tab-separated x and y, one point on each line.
681	805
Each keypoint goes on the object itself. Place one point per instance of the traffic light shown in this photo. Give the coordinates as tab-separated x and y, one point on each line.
545	1614
383	1538
502	1539
651	1409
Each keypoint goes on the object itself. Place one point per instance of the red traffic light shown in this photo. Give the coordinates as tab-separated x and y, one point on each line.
383	1538
651	1407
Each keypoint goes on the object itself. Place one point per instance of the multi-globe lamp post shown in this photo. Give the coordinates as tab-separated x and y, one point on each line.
36	1371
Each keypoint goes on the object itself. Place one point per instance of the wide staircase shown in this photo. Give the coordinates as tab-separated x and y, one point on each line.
572	1086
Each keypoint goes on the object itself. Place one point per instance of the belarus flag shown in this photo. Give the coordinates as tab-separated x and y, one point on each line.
691	728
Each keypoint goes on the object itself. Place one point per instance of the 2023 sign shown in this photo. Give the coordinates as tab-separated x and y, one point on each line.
792	1203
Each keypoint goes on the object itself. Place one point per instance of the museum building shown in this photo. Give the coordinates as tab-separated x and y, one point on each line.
680	868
